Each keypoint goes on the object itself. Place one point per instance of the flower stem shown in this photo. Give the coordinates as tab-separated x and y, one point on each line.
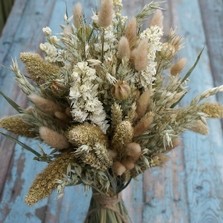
103	42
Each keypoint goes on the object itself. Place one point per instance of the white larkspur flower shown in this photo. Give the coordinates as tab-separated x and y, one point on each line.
84	96
153	35
54	39
146	77
49	49
52	53
47	31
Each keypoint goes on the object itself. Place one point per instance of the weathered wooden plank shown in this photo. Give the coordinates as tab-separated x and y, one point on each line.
202	153
212	15
2	21
12	206
25	37
7	35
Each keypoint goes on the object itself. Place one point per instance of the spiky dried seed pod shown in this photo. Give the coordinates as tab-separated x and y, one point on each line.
45	105
77	15
199	127
105	13
123	48
46	181
157	19
122	136
86	134
178	67
143	103
17	125
175	40
118	168
177	43
131	32
53	138
144	124
39	70
168	51
213	110
139	55
133	150
121	90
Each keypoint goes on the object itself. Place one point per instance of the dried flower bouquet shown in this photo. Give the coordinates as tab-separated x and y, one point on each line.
105	98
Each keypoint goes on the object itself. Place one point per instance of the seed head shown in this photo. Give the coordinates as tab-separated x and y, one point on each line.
39	70
105	13
123	48
121	90
157	19
178	67
45	105
77	15
53	138
140	55
131	32
17	125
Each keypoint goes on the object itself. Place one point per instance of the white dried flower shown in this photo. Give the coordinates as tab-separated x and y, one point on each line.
49	49
153	36
54	39
47	31
83	95
52	53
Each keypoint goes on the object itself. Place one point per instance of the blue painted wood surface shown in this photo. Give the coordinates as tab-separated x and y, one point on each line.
188	189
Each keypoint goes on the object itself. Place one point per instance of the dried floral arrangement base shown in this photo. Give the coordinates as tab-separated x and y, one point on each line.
105	99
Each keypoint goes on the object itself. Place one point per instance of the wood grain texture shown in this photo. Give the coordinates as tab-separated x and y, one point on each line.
188	189
203	165
20	36
5	45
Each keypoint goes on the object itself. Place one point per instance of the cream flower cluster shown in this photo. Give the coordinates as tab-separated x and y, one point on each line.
153	34
84	96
